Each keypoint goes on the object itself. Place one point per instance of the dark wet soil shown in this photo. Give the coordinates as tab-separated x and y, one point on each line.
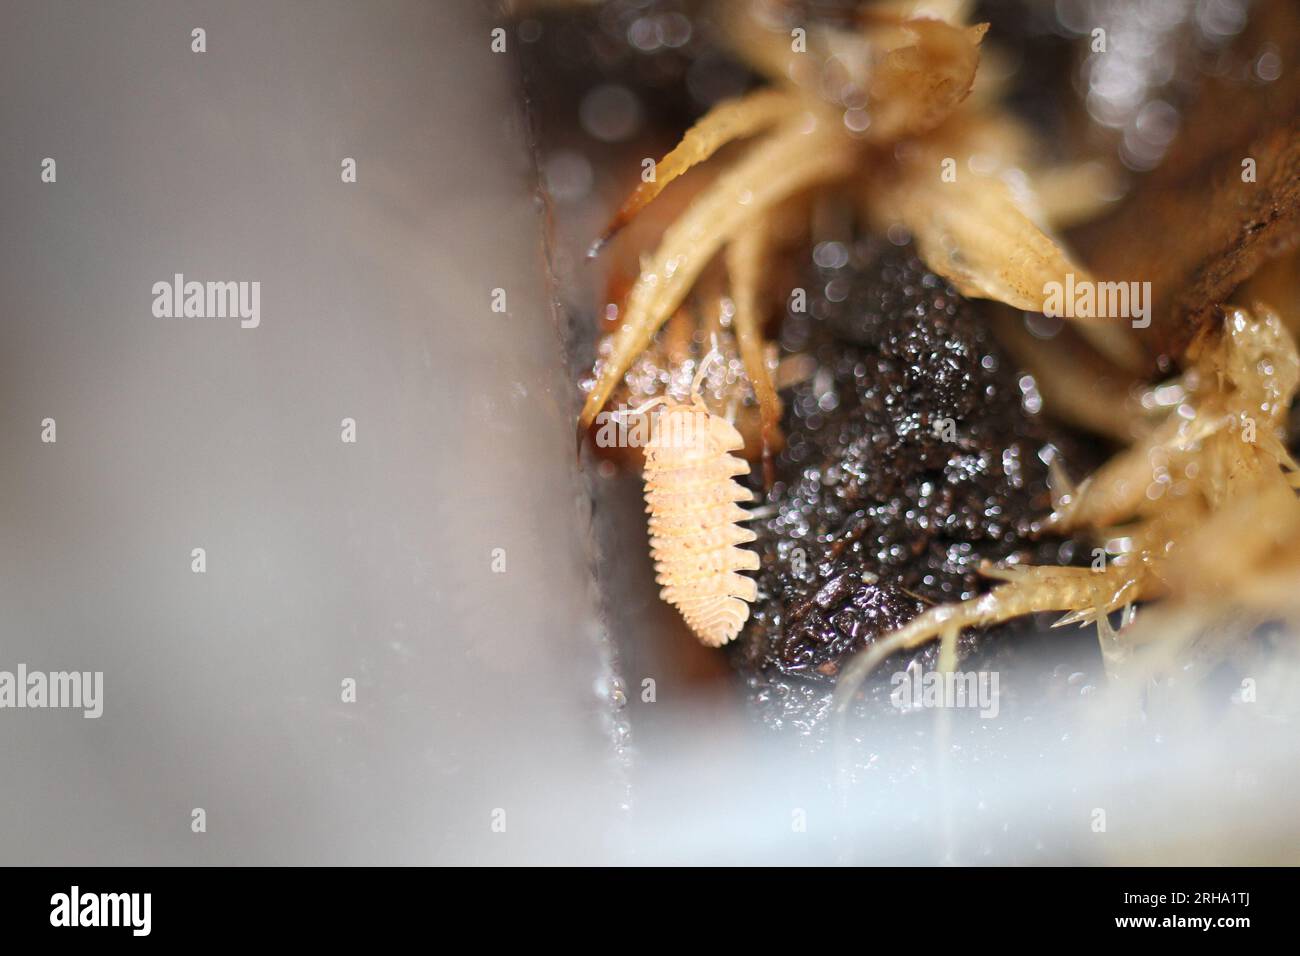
668	53
914	453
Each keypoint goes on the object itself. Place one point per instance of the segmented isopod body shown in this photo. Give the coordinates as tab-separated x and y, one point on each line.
695	536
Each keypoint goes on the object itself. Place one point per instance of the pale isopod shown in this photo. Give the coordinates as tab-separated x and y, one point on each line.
692	498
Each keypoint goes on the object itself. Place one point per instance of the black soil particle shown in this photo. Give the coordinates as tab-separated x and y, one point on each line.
914	452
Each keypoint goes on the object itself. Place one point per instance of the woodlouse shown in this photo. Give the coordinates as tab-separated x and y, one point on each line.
692	499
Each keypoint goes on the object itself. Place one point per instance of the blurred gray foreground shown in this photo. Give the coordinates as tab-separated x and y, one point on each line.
477	692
